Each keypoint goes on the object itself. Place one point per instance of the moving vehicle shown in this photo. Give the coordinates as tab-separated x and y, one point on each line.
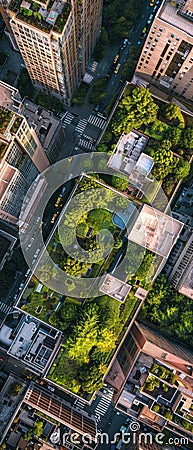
57	202
115	58
54	218
117	68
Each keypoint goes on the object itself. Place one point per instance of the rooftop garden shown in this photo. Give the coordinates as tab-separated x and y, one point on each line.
184	413
185	421
171	135
62	18
170	311
92	328
163	411
157	388
33	16
5	117
16	124
163	373
91	337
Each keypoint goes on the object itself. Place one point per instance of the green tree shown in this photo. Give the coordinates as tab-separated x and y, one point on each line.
84	335
135	109
102	46
187	138
172	111
38	428
181	170
106	341
98	91
119	183
174	135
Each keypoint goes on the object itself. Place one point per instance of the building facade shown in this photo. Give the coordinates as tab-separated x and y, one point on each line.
56	40
22	156
181	276
166	59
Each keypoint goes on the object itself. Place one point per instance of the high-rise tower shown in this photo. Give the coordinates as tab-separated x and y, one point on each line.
167	55
56	40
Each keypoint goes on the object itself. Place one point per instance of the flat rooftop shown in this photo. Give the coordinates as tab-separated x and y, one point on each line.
10	96
31	341
115	288
42	120
127	153
177	17
155	230
61	410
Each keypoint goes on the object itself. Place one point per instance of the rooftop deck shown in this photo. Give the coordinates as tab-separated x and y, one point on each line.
155	231
171	14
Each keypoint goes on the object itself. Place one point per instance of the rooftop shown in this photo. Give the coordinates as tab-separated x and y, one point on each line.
61	410
115	288
30	341
177	16
155	230
44	122
39	15
10	97
127	153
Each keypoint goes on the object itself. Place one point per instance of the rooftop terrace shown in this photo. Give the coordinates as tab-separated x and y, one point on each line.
41	16
29	340
115	288
127	153
155	230
177	17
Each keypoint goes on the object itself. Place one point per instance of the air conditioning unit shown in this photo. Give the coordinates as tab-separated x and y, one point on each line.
136	402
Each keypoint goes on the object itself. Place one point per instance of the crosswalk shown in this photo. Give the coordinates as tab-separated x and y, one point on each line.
67	119
80	127
6	309
96	121
103	405
85	144
94	66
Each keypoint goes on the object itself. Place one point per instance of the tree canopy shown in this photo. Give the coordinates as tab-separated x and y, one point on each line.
135	109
